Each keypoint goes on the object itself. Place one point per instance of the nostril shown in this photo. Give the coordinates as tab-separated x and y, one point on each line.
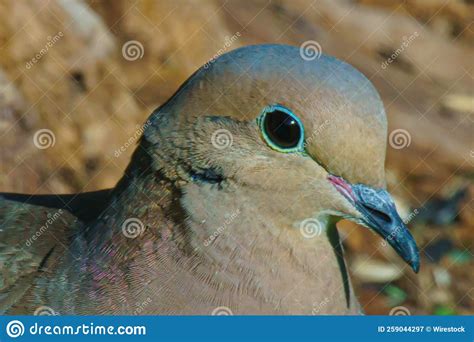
378	214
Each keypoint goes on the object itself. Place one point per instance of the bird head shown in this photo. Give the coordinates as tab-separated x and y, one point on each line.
298	138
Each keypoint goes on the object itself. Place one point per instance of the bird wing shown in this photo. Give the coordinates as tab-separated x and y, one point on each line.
35	231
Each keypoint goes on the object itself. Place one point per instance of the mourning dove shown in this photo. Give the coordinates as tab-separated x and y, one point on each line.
229	203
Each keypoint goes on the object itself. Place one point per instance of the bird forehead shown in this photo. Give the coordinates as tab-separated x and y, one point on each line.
248	78
343	116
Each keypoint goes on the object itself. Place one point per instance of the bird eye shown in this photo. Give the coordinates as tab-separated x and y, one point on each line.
281	129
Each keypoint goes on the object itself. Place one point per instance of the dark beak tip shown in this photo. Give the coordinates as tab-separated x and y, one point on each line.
415	266
380	214
415	255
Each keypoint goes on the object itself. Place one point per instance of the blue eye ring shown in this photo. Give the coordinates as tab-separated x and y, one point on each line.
288	136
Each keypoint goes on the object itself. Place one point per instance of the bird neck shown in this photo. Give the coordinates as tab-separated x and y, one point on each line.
219	247
140	197
221	243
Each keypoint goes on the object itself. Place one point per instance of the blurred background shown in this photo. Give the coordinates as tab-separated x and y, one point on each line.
79	78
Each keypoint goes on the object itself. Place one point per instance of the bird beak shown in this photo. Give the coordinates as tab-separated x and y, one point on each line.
379	214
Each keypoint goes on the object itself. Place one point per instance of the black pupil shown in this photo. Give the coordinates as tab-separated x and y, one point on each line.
282	129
